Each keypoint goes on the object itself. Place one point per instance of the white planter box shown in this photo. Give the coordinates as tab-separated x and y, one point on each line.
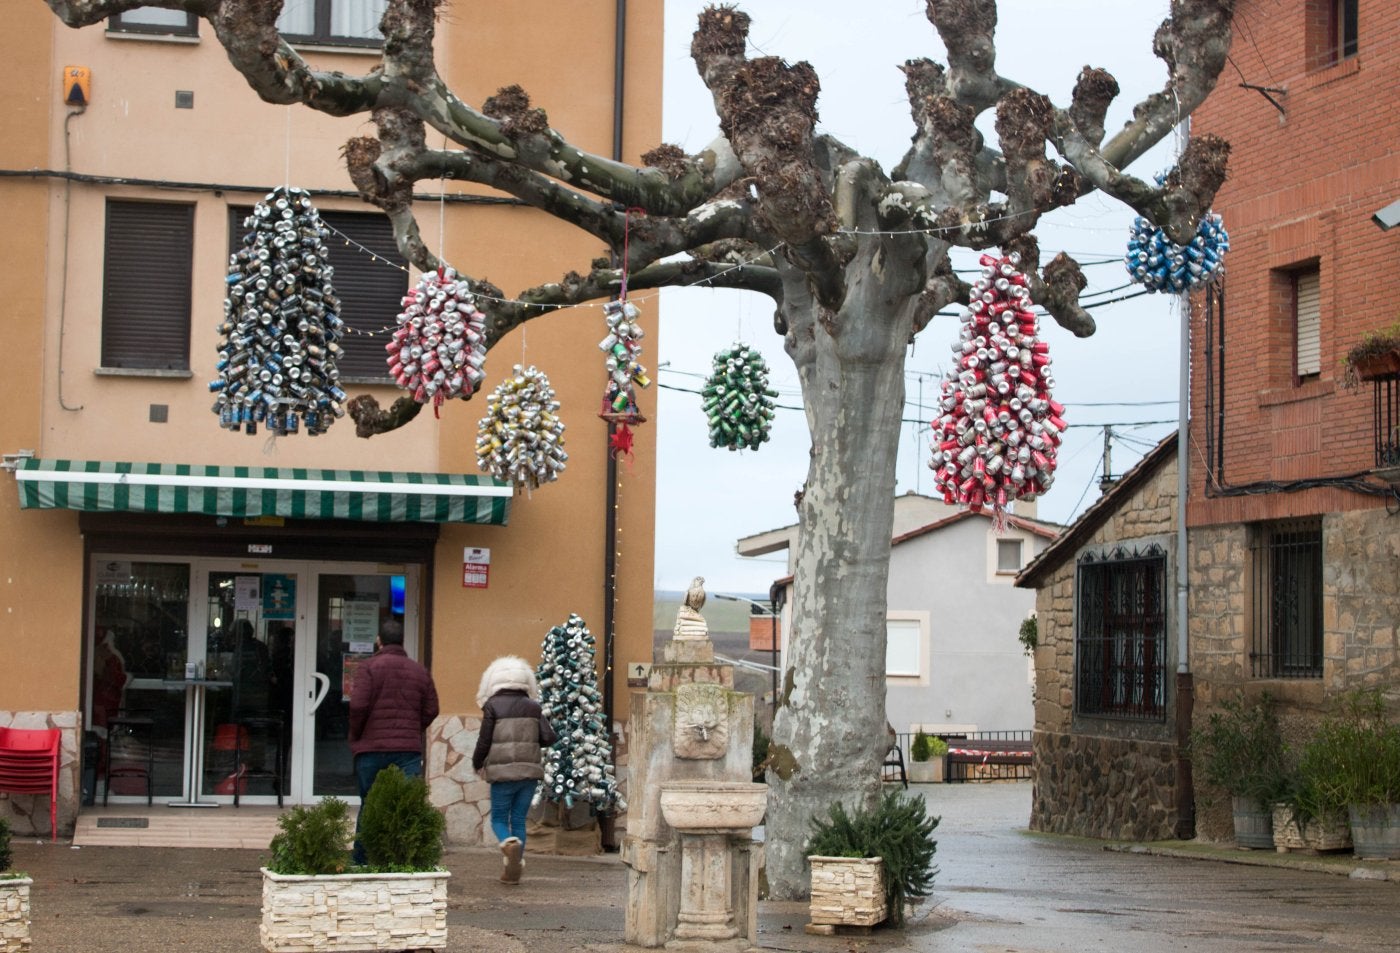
354	912
14	914
848	890
926	772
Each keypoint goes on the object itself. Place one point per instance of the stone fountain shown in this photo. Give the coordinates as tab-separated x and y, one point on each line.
693	866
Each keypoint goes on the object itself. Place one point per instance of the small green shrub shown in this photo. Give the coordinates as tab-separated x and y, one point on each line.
760	753
400	829
1029	635
937	747
314	839
1353	757
921	747
899	830
1240	750
6	857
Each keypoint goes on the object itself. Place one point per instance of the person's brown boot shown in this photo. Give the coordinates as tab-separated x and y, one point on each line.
513	853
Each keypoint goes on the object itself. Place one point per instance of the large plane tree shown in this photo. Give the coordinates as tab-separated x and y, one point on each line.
855	259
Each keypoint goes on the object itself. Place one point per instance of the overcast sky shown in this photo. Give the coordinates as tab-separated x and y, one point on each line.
1124	375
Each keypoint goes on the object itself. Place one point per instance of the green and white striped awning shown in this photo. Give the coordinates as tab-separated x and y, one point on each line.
291	492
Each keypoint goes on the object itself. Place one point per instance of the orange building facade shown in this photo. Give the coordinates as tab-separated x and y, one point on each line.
125	199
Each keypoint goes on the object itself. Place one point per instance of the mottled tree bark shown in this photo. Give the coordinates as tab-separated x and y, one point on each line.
809	222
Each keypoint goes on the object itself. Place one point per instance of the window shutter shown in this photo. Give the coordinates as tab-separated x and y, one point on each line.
1308	304
146	285
369	280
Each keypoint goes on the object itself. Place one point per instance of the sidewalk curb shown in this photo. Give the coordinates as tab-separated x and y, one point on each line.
1342	866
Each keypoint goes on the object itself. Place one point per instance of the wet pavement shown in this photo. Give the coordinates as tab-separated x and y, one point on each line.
999	888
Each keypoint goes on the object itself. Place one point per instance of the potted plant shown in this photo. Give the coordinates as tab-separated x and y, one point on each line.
14	899
1302	819
1240	751
1353	761
1375	356
397	901
926	759
866	866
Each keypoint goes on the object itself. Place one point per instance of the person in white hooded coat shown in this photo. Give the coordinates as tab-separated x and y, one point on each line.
514	732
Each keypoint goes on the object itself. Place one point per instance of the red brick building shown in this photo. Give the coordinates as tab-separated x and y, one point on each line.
1294	538
1292	552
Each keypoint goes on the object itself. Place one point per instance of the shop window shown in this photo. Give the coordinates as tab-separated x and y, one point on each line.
1120	634
371	279
146	285
1286	570
1332	33
332	22
153	20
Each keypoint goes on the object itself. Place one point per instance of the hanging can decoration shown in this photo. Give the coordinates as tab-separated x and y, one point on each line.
998	435
737	399
625	374
521	438
1160	264
280	337
438	349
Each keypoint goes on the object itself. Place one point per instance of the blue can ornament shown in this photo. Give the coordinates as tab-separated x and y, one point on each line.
1160	264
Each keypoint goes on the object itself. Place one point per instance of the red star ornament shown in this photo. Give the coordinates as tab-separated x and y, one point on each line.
621	441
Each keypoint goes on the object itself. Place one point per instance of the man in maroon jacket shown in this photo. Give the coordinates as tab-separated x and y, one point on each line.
392	704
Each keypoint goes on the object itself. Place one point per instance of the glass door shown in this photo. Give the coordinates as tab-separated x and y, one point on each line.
352	602
241	703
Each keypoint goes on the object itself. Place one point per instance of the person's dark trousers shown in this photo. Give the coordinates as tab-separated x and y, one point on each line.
367	767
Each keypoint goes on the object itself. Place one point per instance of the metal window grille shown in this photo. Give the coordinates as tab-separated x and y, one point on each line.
1120	644
1286	557
1386	421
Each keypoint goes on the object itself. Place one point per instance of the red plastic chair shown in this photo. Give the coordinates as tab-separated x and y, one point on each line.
29	765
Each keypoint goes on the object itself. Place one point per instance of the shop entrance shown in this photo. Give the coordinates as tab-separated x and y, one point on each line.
218	681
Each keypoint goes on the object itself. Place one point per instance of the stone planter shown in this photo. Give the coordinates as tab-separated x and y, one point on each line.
14	914
354	912
848	891
926	772
1254	826
1375	831
1319	834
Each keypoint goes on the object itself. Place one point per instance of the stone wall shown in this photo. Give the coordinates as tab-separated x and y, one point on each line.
1361	629
1112	788
464	798
1105	777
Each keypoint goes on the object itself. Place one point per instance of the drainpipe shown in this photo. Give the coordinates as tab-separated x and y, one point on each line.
607	823
1185	685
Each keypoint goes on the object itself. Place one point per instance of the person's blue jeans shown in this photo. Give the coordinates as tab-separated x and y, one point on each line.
367	767
510	802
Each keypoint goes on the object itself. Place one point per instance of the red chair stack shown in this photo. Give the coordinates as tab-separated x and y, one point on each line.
29	765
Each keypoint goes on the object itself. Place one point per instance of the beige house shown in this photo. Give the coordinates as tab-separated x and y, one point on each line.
124	198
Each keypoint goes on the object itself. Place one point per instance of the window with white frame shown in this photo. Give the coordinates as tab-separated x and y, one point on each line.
904	648
154	20
332	22
1009	555
1307	322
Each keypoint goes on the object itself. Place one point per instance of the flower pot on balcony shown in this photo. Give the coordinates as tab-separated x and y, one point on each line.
1378	366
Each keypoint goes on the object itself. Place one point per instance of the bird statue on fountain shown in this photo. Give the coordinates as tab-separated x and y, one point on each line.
690	624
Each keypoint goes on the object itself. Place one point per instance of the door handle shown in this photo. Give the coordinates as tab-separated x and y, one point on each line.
318	694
